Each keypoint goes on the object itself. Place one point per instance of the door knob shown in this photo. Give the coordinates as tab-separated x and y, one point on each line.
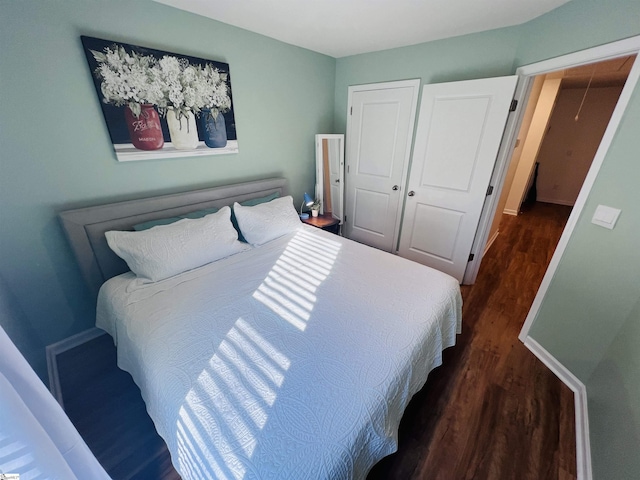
338	180
395	187
411	193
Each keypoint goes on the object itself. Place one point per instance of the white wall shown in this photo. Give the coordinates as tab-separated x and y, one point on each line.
530	108
569	145
532	142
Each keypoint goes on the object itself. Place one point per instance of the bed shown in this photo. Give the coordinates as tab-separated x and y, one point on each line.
293	358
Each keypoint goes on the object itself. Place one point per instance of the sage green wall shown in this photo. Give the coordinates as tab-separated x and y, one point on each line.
614	413
575	26
56	152
597	283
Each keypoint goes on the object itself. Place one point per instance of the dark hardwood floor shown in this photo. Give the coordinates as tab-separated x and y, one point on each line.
106	407
491	411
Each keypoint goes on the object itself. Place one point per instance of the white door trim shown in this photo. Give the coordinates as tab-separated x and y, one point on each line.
628	46
583	444
415	84
382	86
523	88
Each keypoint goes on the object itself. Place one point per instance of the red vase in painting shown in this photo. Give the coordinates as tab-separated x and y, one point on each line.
145	130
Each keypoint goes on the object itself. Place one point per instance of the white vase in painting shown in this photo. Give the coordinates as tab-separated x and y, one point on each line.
183	130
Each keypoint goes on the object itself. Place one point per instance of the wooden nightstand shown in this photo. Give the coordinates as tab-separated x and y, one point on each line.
325	222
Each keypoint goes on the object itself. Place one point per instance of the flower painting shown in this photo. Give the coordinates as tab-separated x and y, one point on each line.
158	104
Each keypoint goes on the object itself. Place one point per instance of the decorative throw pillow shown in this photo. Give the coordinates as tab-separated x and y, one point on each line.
267	221
251	203
167	250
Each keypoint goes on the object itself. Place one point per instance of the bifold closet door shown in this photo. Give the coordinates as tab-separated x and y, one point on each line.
460	127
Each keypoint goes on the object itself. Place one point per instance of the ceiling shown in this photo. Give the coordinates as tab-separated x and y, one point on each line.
609	73
340	28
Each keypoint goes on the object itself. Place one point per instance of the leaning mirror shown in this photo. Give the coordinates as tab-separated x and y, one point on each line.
330	174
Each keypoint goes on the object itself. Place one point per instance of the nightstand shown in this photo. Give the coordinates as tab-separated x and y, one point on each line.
325	222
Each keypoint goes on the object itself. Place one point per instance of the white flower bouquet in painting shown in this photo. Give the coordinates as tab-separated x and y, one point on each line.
179	91
126	82
125	77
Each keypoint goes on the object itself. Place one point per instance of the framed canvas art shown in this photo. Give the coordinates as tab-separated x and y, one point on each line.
158	104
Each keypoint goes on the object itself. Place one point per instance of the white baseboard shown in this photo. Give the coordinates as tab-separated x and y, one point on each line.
53	350
490	242
508	211
583	446
556	201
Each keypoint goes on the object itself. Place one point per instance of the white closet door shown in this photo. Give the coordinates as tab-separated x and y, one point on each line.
379	135
459	131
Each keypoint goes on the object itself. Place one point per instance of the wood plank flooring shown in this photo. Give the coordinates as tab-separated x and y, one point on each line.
106	407
491	411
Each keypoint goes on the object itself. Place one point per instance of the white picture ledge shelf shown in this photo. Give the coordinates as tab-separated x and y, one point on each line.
126	152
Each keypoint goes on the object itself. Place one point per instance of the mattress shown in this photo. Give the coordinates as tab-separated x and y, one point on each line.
295	359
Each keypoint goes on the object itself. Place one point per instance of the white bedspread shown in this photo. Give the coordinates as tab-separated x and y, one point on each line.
291	360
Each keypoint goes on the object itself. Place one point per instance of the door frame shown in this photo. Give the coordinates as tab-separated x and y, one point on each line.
415	84
526	74
508	144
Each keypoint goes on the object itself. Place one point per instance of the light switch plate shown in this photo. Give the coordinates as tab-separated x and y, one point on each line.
605	216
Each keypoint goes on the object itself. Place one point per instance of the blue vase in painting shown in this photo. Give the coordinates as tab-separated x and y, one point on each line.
214	128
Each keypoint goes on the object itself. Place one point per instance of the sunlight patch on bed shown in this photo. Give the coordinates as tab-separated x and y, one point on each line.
190	440
237	388
290	287
224	412
263	362
239	384
18	457
267	348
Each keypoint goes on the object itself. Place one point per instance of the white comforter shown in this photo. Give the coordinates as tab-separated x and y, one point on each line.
291	360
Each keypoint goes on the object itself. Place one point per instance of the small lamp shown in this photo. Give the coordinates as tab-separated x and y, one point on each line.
307	201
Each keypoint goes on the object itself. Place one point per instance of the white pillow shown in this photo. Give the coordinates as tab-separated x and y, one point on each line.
266	221
167	250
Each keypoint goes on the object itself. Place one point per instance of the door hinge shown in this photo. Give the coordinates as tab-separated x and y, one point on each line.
345	219
471	255
351	111
514	105
489	190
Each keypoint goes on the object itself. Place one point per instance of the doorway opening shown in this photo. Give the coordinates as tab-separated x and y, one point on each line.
564	121
513	179
565	118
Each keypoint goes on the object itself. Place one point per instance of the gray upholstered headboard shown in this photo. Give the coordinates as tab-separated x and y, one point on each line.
85	227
